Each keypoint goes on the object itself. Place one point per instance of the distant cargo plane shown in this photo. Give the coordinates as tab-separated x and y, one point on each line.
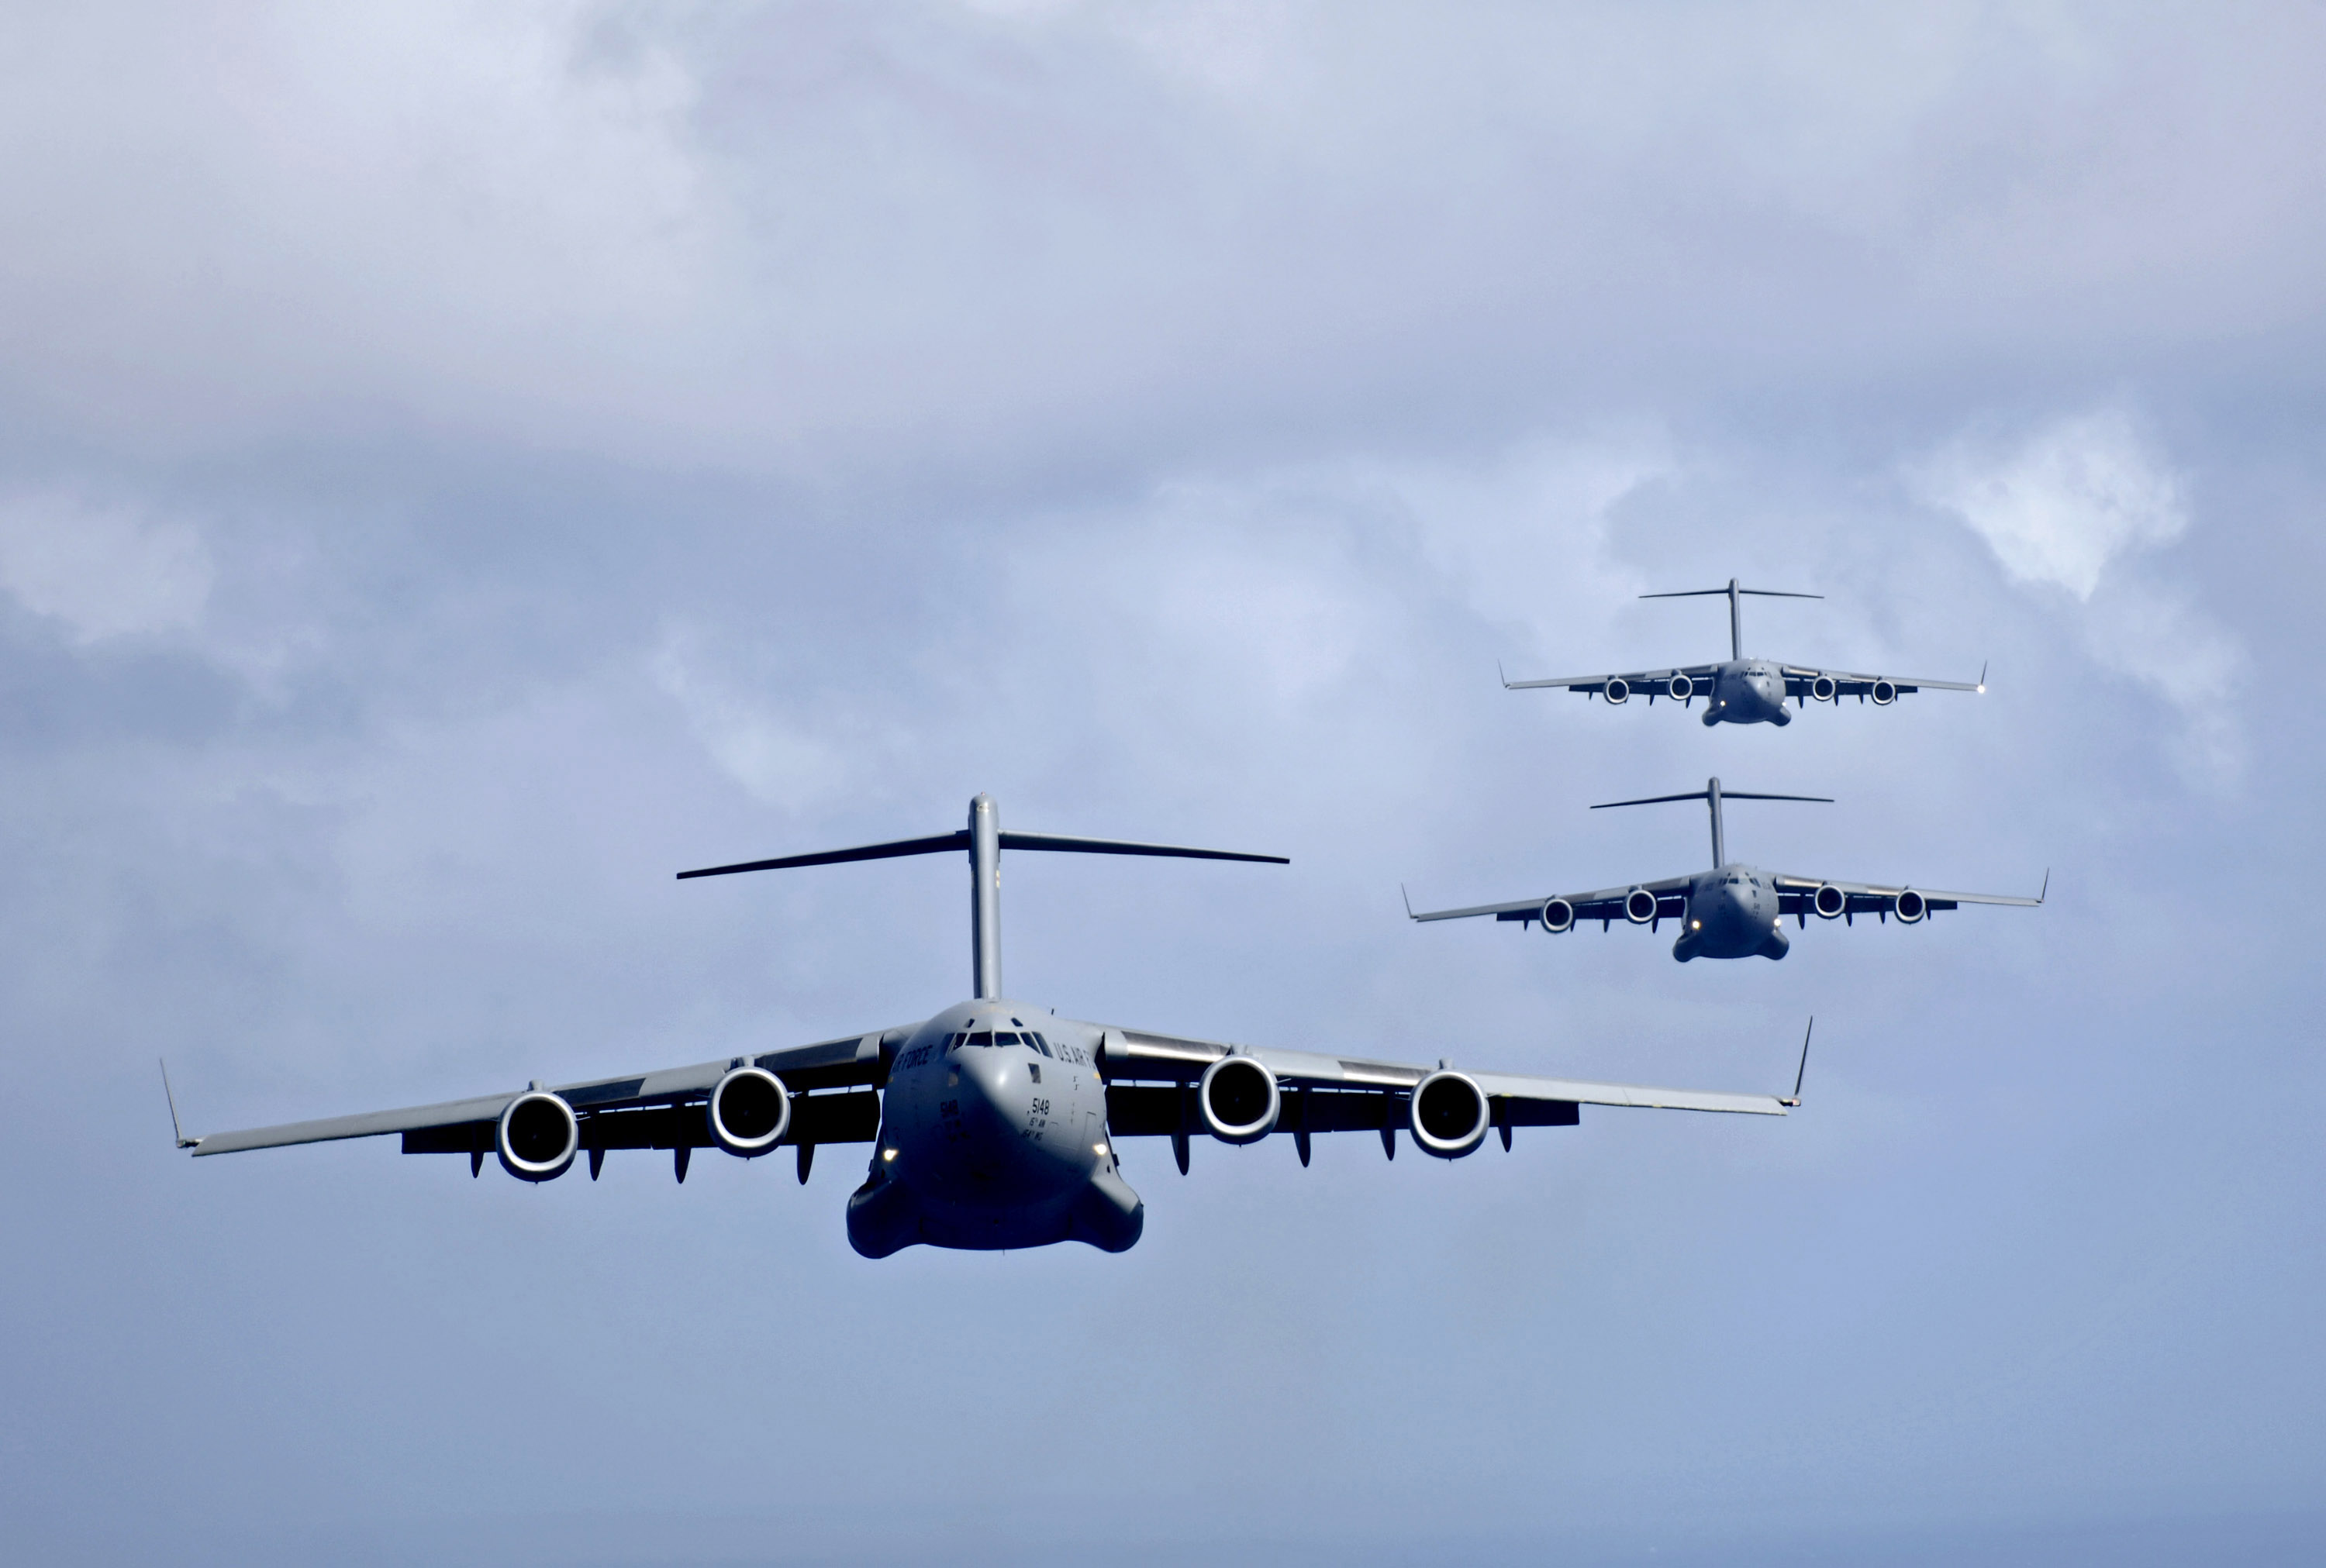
994	1123
1742	691
1734	910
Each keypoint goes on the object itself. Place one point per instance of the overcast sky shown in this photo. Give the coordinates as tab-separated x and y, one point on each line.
460	464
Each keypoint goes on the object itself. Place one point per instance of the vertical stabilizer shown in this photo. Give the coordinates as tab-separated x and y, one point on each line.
985	898
1719	840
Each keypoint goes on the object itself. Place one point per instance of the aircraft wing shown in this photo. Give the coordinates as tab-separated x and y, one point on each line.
1649	683
832	1101
1151	1091
1796	897
1605	905
1801	678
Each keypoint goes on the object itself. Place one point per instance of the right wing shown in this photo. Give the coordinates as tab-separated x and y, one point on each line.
1649	683
1605	905
654	1110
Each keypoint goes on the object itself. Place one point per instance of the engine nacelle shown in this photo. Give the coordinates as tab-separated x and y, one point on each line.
1450	1115
1557	915
1238	1101
1617	692
1824	689
538	1136
1639	906
1912	908
750	1111
1885	692
1828	902
1682	688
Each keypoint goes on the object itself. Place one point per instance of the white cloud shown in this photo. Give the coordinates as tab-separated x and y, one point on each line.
779	761
2073	507
2062	506
105	571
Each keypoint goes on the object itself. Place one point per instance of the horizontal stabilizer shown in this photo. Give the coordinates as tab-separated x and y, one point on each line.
1725	592
1706	795
943	842
1120	846
959	841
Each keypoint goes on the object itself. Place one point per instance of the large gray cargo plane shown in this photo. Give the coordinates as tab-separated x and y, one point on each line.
994	1123
1742	691
1734	910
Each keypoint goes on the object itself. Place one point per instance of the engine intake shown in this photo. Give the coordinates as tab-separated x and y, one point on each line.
1824	689
1639	906
1617	692
537	1137
1912	908
1239	1100
1885	692
750	1111
1682	688
1450	1114
1557	915
1828	902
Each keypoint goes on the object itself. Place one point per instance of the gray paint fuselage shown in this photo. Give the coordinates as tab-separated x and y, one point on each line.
1747	692
1732	913
987	1146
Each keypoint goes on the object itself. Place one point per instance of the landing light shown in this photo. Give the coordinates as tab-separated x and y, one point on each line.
887	1153
1695	926
1098	1148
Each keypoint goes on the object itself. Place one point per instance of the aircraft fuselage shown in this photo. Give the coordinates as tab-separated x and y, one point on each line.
1732	913
993	1136
1747	692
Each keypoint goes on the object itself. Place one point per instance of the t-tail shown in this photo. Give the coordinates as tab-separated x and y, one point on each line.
1734	595
984	841
1713	794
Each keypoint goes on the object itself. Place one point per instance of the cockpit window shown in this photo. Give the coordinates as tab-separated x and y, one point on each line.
1038	1044
1004	1038
983	1037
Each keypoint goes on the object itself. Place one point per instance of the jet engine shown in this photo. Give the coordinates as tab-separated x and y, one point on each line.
1617	692
1682	688
1450	1115
1639	906
1829	901
537	1137
1825	690
1557	915
1239	1100
749	1112
1883	693
1912	908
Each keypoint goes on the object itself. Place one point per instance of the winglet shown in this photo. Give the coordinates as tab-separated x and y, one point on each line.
1803	1071
1402	893
183	1141
1501	675
1982	677
2047	885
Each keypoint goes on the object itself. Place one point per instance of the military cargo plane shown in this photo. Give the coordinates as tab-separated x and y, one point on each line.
1734	910
994	1124
1742	691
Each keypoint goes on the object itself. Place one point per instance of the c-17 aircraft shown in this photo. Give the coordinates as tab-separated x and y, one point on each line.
1734	910
994	1122
1742	691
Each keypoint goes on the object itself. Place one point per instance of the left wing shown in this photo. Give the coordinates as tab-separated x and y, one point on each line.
656	1110
1799	895
1152	1085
